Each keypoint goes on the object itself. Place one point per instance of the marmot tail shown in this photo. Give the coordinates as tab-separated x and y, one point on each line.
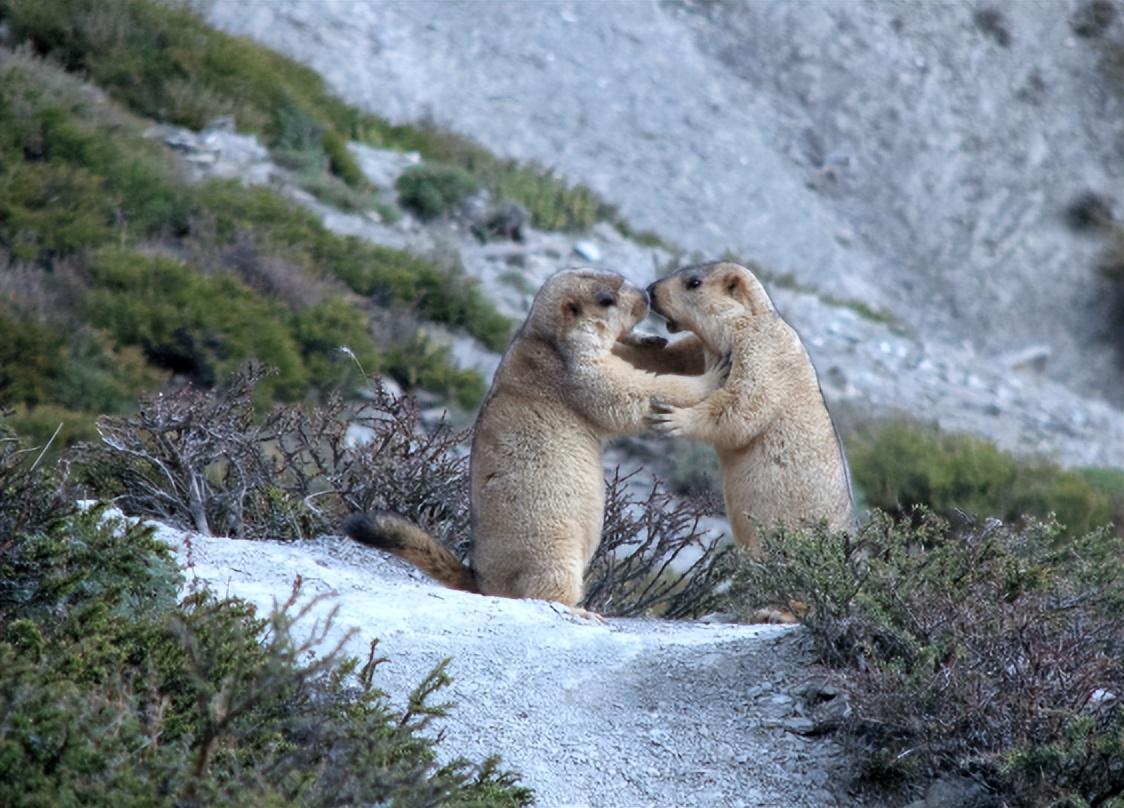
398	535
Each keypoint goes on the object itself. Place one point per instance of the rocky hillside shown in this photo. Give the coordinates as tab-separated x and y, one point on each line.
919	158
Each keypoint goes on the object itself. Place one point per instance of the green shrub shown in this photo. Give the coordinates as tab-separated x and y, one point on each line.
389	276
114	692
900	465
322	330
49	210
74	176
421	363
199	325
983	649
553	203
162	61
31	357
38	425
340	160
434	190
97	377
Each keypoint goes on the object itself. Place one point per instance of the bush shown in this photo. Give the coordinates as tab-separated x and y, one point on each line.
31	356
983	649
162	61
552	203
389	276
198	325
655	557
86	195
75	175
900	465
434	190
114	693
203	460
31	499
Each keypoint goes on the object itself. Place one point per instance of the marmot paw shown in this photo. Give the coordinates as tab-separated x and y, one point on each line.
665	418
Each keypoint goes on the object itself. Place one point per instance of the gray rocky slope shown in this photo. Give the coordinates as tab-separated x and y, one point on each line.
887	152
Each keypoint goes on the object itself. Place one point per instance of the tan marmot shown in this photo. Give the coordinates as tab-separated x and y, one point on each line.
780	455
537	486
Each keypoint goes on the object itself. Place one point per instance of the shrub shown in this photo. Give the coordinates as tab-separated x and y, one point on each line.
553	203
655	556
200	460
111	692
51	427
199	325
434	190
985	649
162	61
31	356
389	276
900	465
204	461
31	499
80	177
75	175
340	160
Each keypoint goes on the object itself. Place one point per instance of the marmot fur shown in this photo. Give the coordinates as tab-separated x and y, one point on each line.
780	455
537	485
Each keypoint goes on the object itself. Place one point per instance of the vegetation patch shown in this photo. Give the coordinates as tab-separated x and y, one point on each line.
983	650
204	460
159	58
434	190
390	277
118	274
114	691
899	465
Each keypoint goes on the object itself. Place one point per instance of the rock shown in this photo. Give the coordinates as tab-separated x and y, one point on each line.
800	725
1030	359
588	250
958	792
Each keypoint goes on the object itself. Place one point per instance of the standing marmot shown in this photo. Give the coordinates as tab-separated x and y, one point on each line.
537	486
780	455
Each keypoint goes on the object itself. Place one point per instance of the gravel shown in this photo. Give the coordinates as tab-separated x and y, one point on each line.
629	714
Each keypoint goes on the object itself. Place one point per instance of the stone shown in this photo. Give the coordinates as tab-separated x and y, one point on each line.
588	250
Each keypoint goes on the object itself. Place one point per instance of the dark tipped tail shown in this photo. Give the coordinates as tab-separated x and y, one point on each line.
398	535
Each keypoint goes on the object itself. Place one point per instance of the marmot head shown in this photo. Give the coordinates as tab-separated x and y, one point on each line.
586	309
703	296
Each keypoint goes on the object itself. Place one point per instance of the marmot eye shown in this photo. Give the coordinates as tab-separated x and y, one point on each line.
693	283
605	300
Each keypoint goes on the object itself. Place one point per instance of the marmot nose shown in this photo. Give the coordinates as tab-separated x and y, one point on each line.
651	290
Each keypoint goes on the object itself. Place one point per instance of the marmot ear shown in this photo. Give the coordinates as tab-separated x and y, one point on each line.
739	287
571	309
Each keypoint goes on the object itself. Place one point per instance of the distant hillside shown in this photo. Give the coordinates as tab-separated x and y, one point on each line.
918	156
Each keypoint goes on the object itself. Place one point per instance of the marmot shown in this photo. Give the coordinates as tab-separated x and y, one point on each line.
537	487
780	455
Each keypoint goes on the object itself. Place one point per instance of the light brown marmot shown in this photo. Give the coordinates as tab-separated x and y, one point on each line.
537	485
780	455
